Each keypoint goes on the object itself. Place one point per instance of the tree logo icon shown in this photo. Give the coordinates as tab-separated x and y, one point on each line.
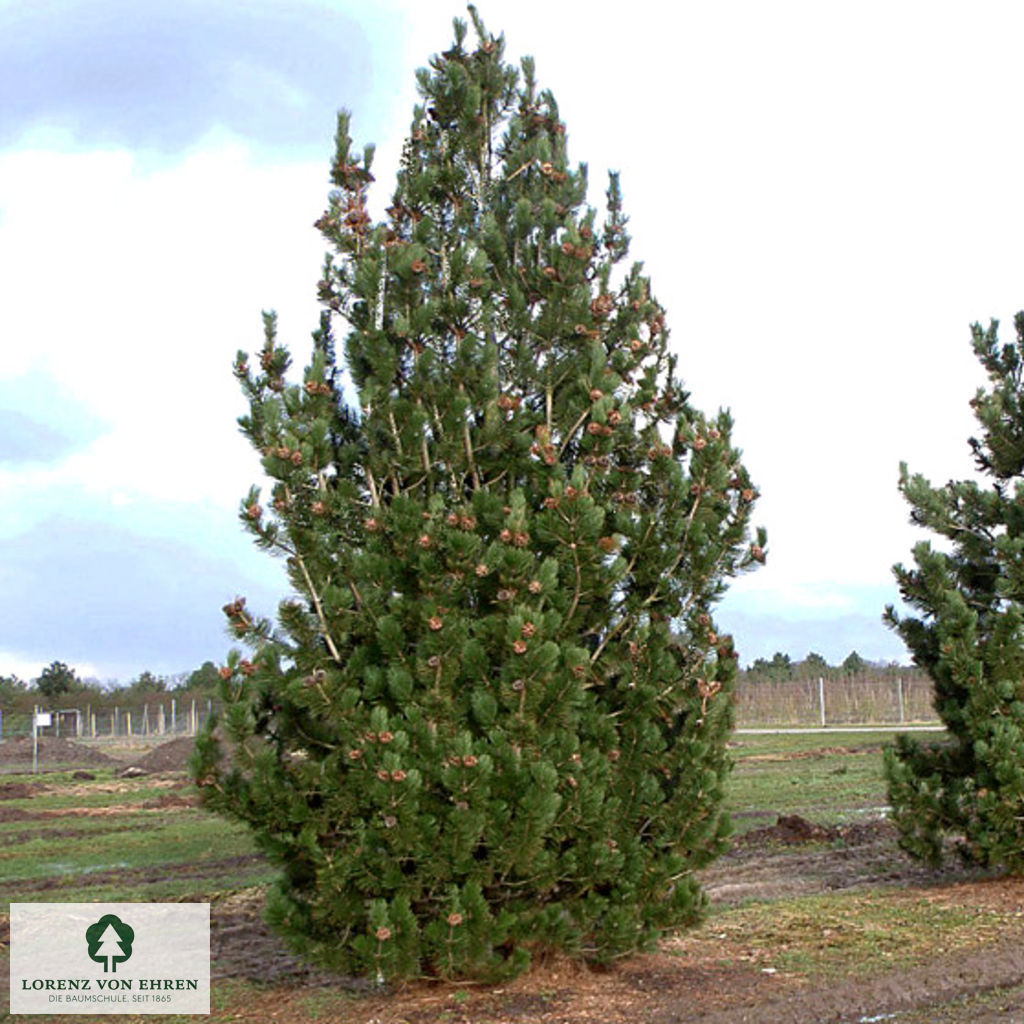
110	942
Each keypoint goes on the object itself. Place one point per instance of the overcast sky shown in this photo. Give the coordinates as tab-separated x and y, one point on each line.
825	197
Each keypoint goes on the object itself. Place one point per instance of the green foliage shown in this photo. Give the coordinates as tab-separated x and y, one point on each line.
814	662
203	678
778	667
12	688
492	721
147	683
57	679
854	664
968	635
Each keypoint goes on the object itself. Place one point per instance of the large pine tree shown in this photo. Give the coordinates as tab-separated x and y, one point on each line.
969	635
492	721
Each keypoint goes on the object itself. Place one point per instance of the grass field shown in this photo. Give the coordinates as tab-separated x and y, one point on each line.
798	916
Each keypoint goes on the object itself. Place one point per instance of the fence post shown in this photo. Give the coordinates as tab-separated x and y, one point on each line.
821	699
899	694
174	715
128	720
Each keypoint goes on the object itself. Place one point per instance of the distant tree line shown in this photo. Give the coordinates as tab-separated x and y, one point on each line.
780	667
59	685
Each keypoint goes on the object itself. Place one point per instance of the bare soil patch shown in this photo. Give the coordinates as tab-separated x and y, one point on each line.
817	754
15	814
171	800
172	756
16	753
763	864
128	877
18	790
11	839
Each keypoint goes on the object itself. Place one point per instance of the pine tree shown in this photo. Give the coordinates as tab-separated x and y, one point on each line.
492	722
969	637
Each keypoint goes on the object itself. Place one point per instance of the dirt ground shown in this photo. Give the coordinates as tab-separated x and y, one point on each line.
685	982
689	979
16	754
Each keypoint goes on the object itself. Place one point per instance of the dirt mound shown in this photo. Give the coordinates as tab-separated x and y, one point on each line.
53	751
791	828
168	757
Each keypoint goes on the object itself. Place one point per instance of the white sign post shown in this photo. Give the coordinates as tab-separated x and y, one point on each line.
40	720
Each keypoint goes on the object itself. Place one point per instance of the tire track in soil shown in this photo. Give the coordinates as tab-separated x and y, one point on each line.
945	979
797	858
133	876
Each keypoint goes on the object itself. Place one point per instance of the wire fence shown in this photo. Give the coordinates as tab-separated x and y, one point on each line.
852	700
169	719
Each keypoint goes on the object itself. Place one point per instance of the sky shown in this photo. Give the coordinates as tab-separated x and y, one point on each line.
825	196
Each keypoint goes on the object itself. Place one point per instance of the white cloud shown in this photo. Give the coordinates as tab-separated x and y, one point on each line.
133	287
27	669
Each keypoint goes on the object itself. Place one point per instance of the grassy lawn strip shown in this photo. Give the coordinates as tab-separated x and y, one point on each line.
787	744
187	837
849	934
133	852
91	794
829	779
186	889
